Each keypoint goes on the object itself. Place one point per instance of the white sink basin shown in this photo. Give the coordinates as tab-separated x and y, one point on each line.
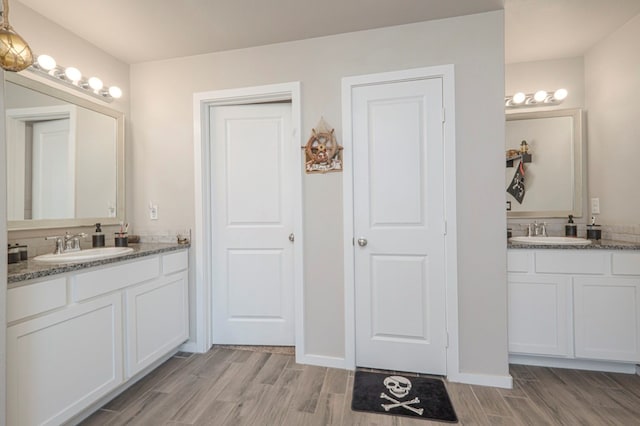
84	255
565	241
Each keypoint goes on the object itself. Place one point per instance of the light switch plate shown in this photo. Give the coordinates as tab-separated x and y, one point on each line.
153	212
595	206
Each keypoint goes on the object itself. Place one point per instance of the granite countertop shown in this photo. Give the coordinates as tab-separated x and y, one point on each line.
595	245
30	269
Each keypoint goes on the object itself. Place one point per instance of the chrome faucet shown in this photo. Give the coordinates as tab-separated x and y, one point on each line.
542	229
67	242
537	229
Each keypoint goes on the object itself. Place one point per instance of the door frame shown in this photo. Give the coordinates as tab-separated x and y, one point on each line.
202	235
446	73
16	120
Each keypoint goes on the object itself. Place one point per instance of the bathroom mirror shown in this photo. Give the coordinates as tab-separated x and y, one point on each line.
65	158
553	179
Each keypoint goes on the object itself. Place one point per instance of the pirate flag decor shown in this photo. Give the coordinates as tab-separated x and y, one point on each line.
516	187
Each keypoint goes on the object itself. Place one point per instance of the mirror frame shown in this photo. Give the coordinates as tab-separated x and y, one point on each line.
15	225
578	166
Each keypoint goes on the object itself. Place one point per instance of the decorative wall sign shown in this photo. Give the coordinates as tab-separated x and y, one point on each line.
322	152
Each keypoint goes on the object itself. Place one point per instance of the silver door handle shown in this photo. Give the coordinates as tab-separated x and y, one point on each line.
292	237
362	242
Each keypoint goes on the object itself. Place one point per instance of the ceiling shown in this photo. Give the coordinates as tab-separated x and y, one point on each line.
148	30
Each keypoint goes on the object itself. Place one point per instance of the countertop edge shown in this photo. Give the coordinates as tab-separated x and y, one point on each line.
31	269
595	245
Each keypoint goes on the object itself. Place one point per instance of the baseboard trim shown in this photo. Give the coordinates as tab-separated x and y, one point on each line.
505	382
192	347
321	361
577	364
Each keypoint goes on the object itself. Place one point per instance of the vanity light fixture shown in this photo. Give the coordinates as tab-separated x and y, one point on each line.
539	98
47	67
15	53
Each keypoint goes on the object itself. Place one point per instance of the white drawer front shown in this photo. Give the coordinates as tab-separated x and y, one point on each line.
518	261
574	262
36	298
174	262
101	281
626	263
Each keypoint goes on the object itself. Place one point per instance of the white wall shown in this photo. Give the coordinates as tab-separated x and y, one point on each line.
529	77
612	79
162	116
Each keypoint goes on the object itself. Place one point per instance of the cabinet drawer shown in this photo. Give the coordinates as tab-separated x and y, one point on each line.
33	299
626	264
175	262
101	281
576	262
518	261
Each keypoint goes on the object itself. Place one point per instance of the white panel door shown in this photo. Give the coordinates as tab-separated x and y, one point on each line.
53	170
399	226
252	149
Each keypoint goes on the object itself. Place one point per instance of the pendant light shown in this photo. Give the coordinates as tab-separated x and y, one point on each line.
15	53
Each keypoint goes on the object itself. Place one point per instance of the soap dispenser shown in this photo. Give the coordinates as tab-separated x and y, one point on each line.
571	229
98	237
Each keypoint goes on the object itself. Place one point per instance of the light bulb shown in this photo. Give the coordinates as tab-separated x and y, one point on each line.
46	62
115	92
73	74
95	83
540	96
560	94
519	98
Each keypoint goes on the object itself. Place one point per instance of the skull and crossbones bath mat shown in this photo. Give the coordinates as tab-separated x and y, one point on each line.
398	395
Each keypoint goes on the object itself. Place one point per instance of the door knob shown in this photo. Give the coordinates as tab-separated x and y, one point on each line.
362	242
292	237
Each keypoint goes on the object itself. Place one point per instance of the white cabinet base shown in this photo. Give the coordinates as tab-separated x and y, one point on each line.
575	308
576	364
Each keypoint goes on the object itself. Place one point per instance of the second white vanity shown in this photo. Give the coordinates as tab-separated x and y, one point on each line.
575	307
80	333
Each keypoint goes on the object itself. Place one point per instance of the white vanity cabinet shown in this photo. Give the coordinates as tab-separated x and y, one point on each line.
574	306
77	338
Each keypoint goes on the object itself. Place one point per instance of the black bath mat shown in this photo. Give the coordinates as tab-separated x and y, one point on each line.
398	395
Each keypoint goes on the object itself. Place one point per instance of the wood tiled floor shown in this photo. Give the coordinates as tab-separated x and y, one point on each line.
240	387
